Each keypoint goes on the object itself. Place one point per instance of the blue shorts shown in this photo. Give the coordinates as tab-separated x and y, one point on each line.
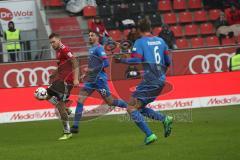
100	85
147	92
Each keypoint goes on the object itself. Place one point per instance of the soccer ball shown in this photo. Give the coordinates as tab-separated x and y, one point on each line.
41	93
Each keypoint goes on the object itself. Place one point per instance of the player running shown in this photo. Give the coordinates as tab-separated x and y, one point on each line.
96	79
151	51
64	78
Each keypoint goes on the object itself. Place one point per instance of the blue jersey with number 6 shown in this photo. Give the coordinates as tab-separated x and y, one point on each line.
153	54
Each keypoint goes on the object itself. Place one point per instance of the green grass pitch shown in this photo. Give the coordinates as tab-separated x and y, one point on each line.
198	134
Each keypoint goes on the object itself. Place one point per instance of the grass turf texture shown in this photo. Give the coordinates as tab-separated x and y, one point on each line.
206	133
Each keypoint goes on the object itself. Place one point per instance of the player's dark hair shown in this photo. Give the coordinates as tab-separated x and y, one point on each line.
144	25
96	33
53	35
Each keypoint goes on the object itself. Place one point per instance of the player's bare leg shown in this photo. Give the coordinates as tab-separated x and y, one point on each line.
114	102
65	121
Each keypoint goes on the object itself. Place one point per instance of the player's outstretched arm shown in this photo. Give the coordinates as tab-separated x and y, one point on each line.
133	60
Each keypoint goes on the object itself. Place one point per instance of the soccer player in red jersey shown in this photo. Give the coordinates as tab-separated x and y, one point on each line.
63	79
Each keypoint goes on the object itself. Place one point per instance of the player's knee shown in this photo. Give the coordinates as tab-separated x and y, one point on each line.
62	111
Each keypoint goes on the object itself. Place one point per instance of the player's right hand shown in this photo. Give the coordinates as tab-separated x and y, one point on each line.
76	82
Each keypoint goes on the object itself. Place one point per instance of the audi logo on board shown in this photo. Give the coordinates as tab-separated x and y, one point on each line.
206	63
33	77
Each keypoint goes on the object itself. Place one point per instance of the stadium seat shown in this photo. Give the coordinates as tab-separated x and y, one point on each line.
156	31
134	8
52	3
200	16
194	4
228	41
102	2
212	41
164	5
117	9
185	17
104	10
155	19
177	30
182	43
115	34
206	29
89	11
179	4
197	42
191	30
115	1
214	14
110	23
149	7
170	18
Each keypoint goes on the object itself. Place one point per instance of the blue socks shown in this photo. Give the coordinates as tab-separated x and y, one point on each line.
119	103
140	122
78	114
150	113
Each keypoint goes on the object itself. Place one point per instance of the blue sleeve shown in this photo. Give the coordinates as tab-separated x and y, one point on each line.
131	60
102	54
105	63
167	60
166	57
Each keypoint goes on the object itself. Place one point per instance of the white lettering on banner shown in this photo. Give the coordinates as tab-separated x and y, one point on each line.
33	76
5	14
223	101
183	104
205	62
171	104
32	116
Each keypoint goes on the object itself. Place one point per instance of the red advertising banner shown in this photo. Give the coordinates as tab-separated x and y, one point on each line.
200	61
184	62
26	74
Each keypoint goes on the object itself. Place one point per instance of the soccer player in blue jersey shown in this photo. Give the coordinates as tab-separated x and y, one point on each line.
151	51
96	79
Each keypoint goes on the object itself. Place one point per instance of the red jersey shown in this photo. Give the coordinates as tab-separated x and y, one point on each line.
99	28
65	71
